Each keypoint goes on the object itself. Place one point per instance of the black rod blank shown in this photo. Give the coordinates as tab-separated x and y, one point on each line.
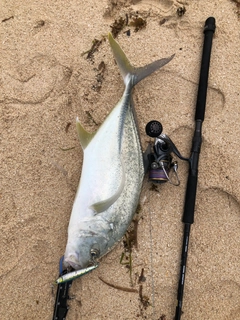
190	196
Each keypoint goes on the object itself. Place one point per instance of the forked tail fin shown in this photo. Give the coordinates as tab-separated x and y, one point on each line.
127	69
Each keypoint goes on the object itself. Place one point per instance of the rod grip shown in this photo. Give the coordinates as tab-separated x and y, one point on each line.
190	199
209	30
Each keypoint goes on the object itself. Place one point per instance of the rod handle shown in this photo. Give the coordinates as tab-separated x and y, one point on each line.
209	30
190	199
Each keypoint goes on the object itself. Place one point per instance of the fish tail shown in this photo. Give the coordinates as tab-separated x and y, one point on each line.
126	69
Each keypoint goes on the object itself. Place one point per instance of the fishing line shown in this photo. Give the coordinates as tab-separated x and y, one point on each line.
150	212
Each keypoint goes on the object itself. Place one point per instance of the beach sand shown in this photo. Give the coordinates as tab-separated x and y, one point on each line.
46	82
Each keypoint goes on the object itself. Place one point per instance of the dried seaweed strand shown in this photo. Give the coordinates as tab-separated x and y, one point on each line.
118	287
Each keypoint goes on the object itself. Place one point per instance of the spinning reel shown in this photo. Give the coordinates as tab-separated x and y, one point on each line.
161	164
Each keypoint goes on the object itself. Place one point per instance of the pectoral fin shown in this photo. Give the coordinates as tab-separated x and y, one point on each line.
105	204
84	136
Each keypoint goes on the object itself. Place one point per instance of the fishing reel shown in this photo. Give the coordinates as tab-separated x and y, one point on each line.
161	166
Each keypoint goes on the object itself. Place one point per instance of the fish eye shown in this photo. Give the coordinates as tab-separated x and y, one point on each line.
94	253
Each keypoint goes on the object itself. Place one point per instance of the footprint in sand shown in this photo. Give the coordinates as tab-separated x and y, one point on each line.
215	254
163	6
42	72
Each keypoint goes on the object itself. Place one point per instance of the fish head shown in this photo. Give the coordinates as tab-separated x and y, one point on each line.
84	252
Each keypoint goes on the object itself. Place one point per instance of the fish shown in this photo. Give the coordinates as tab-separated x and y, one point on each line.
112	173
75	274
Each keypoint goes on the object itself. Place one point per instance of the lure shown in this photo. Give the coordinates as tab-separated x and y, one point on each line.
75	274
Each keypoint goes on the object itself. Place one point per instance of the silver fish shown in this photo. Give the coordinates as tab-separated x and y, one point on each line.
112	174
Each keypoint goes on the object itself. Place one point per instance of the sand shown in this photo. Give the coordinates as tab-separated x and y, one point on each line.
45	83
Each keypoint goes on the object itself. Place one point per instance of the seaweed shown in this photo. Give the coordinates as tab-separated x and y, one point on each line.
95	45
154	187
117	287
118	25
139	23
238	7
9	18
126	257
91	117
143	298
67	149
162	21
181	11
141	278
99	76
39	24
130	240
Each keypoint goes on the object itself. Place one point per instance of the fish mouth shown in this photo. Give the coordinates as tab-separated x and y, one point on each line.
72	261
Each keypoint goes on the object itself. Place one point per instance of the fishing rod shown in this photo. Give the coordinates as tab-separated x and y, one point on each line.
190	197
162	168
